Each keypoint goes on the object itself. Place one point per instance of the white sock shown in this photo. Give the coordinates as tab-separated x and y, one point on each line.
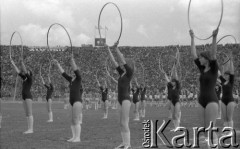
225	124
230	124
31	123
73	134
50	116
180	115
28	123
107	113
0	121
123	138
176	123
126	137
77	129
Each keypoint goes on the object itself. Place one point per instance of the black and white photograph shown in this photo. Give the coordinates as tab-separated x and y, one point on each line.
120	74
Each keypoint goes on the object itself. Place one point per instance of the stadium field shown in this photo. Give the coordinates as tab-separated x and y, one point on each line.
97	133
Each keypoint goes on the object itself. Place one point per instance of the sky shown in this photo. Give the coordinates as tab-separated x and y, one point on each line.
145	22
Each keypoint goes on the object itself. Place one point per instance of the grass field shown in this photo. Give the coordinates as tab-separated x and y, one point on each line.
96	132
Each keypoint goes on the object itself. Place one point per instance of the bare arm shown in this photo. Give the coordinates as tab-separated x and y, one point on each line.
193	47
231	64
49	79
214	45
120	55
105	83
111	57
42	80
98	81
15	67
166	77
136	82
73	63
111	77
23	67
175	75
144	81
59	66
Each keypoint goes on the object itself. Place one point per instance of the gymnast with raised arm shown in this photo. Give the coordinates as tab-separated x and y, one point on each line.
125	69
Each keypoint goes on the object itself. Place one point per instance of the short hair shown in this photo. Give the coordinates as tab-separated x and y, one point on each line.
174	80
206	55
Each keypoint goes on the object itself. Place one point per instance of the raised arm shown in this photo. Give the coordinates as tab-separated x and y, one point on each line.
111	76
67	77
15	67
59	66
193	47
119	53
111	57
49	79
136	82
49	72
97	81
214	45
175	75
106	83
73	64
144	81
42	80
231	64
23	67
166	77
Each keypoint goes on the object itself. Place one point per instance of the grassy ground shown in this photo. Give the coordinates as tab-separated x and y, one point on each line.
96	132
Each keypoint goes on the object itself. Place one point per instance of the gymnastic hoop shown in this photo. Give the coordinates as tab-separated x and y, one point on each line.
223	52
48	38
10	49
99	19
225	56
228	36
189	22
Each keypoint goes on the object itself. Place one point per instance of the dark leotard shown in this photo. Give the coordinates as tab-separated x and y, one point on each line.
169	85
75	86
124	83
227	90
143	93
104	93
207	83
174	93
26	85
218	90
49	91
168	93
135	95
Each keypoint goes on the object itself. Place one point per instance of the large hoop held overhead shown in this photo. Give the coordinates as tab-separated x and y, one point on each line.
223	52
65	31
189	22
10	49
99	19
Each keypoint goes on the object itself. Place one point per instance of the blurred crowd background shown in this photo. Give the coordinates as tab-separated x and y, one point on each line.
92	61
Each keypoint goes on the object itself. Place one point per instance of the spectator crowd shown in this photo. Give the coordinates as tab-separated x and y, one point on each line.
92	61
